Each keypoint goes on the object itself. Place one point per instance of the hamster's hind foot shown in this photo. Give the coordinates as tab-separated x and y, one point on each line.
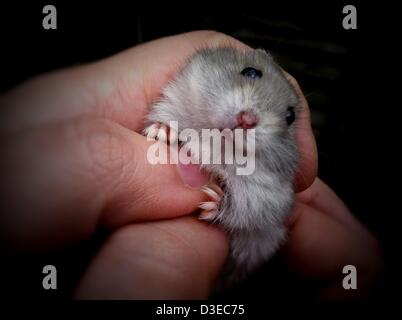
210	208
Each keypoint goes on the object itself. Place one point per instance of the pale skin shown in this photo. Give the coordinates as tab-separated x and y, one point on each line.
73	158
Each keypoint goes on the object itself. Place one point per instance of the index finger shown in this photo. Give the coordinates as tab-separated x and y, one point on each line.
120	88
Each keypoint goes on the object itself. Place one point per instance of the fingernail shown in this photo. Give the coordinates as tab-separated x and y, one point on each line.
192	175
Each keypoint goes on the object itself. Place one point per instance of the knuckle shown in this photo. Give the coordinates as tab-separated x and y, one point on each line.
219	39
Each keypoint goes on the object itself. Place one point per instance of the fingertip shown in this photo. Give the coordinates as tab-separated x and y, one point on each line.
308	165
308	156
192	175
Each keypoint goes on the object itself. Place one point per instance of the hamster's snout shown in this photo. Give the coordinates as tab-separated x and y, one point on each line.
246	120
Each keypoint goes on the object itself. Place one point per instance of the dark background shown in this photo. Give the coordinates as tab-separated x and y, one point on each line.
340	71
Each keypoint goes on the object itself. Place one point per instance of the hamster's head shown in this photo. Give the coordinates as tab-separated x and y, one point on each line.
227	88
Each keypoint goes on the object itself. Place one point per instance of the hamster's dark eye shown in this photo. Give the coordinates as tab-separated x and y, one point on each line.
251	73
290	116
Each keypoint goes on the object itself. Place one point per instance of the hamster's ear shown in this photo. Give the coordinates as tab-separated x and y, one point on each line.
263	53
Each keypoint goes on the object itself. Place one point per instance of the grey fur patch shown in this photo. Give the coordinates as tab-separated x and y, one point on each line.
208	93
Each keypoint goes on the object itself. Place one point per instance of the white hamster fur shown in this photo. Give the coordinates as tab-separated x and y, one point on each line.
214	87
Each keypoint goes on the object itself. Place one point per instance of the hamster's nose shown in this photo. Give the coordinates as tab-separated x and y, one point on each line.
246	119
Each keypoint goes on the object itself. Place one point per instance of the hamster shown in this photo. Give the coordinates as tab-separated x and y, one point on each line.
226	88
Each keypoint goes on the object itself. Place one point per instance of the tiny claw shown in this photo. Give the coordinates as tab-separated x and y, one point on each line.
208	205
162	134
151	131
210	208
211	193
216	188
208	215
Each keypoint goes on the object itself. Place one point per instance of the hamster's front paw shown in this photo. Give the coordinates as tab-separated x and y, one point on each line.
159	131
211	208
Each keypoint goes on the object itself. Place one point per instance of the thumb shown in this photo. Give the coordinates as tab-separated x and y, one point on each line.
153	191
73	175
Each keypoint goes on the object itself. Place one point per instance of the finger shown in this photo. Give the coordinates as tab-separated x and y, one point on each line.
319	247
74	175
321	197
174	259
308	161
120	88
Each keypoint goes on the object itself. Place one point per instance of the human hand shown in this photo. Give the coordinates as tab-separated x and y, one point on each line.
75	160
324	236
